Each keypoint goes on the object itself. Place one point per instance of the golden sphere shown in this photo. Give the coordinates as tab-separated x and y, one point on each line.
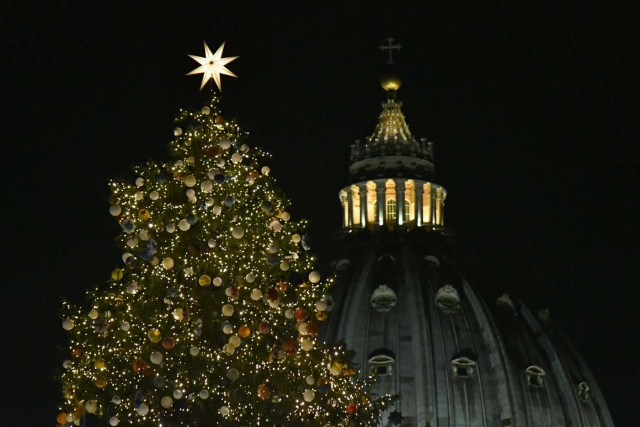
101	382
390	81
99	363
154	335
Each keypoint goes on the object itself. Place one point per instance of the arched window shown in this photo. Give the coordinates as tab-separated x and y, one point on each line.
391	210
535	376
381	362
463	367
407	206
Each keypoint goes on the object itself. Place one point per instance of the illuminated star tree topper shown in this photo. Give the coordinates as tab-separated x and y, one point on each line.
212	65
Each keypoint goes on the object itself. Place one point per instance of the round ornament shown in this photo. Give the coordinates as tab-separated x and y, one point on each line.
144	236
275	225
171	227
167	263
227	310
286	216
101	382
296	238
143	409
138	196
116	400
272	249
289	313
125	326
233	374
237	232
99	363
154	335
115	210
306	344
217	281
264	328
177	131
192	219
265	170
191	193
117	274
208	202
68	324
144	214
220	163
236	158
229	201
284	265
314	277
204	280
189	180
235	341
352	408
244	331
132	288
93	314
206	186
154	195
139	182
168	343
205	110
156	357
244	148
225	143
204	394
194	351
62	418
229	349
224	411
227	328
264	392
310	380
308	395
217	210
177	394
91	406
166	402
114	421
184	225
256	294
250	278
321	305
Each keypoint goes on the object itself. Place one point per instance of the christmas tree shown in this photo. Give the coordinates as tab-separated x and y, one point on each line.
212	317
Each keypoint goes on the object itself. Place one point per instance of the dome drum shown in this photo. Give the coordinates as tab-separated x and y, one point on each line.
372	204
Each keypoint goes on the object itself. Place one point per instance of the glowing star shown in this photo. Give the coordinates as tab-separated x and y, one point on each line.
212	65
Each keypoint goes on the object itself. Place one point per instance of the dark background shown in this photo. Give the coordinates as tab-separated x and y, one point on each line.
529	108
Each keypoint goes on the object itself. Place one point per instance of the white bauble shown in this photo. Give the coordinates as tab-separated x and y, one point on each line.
235	341
177	394
224	411
167	263
286	216
206	186
184	225
310	380
156	357
250	277
154	195
272	249
216	281
244	148
139	182
178	314
307	344
237	232
217	210
144	235
284	266
68	324
125	256
204	394
191	193
115	210
212	243
227	329
309	395
233	374
205	110
314	277
194	351
138	196
166	402
177	131
171	227
220	163
322	305
224	144
189	180
256	294
227	310
296	238
133	242
289	313
114	421
91	406
236	158
125	326
93	314
132	288
265	170
143	409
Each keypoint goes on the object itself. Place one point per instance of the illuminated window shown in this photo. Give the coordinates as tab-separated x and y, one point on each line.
391	210
407	211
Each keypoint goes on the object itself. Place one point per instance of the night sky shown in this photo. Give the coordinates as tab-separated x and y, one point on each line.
529	109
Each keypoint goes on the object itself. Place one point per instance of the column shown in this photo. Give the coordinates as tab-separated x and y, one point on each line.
418	189
363	204
400	201
433	205
345	208
380	190
350	207
439	206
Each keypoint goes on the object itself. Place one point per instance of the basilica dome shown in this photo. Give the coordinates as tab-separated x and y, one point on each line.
402	301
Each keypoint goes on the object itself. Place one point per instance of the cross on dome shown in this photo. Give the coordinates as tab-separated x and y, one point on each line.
390	47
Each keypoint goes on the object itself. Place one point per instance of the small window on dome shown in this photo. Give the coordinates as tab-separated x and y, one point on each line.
381	362
583	391
463	367
432	261
535	376
383	298
447	299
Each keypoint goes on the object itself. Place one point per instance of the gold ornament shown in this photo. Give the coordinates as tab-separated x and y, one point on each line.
144	214
99	363
117	274
101	382
204	280
154	335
